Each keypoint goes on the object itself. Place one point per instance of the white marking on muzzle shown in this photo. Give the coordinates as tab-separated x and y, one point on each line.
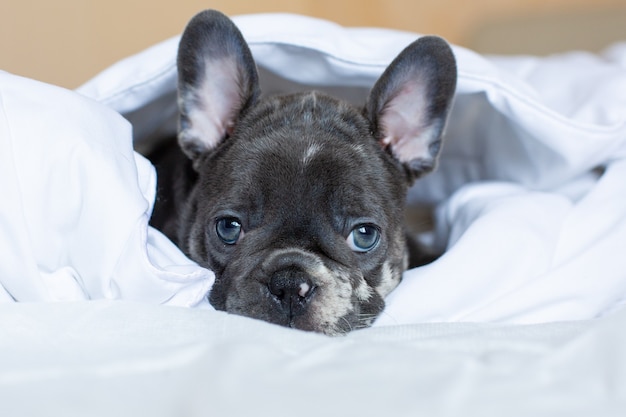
388	282
362	291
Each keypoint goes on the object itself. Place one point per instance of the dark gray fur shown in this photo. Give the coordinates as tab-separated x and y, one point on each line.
299	172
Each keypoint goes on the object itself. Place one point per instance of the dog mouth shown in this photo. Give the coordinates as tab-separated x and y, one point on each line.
304	306
297	289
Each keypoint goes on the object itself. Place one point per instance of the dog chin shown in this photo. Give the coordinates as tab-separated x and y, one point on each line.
295	288
325	313
310	323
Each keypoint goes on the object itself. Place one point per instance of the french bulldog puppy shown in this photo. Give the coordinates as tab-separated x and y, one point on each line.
296	201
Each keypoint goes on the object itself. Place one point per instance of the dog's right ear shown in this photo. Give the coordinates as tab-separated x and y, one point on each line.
217	81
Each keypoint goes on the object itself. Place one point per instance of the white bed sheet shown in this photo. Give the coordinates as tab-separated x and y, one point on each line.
118	358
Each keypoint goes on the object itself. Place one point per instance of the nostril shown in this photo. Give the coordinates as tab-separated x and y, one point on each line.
277	288
276	291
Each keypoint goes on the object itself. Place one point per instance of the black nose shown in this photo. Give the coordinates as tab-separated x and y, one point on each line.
292	289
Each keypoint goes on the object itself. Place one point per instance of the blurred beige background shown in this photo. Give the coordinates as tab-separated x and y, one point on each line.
66	42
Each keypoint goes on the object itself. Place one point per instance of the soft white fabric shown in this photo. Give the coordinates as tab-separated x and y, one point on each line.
534	231
75	205
105	358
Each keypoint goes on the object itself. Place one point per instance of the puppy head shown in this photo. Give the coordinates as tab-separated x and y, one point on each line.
298	206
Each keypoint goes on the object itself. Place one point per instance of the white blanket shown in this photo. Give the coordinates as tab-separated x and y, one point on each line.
103	358
531	195
75	205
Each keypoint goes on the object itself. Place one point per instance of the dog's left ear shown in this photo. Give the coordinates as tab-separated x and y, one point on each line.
409	104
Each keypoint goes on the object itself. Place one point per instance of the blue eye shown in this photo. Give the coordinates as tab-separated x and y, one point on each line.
228	230
363	238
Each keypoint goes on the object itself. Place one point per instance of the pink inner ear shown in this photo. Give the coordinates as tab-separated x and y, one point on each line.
218	98
406	125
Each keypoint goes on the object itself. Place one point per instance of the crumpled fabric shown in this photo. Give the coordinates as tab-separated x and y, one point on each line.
75	204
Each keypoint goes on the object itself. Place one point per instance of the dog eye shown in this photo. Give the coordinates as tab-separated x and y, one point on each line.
228	230
363	238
